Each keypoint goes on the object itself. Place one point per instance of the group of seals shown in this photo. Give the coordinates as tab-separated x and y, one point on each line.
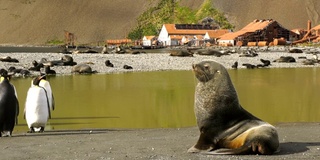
225	127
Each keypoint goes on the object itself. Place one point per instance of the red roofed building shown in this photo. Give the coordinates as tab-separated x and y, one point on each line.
258	31
178	34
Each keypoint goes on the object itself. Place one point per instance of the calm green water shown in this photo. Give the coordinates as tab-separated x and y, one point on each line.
165	99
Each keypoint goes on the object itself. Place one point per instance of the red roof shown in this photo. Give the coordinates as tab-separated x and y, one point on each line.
118	41
251	27
171	29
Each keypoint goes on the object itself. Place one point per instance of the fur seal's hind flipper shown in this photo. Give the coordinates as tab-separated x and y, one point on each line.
243	150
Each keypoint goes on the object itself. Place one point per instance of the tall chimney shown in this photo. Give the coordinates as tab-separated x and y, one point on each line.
309	26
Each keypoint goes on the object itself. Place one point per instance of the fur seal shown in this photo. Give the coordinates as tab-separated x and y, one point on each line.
210	52
68	61
36	66
265	62
127	67
13	70
295	50
9	105
8	59
249	66
108	63
285	59
225	127
181	53
48	70
82	68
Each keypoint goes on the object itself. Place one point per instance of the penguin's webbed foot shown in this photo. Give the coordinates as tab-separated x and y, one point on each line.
31	130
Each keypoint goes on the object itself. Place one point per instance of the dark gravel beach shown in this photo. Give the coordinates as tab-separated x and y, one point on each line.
297	141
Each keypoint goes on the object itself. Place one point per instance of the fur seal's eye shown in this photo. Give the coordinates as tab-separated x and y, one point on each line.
206	67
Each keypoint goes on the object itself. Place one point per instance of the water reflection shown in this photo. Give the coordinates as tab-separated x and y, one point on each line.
165	99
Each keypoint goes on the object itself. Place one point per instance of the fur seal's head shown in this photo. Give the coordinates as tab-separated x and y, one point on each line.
207	70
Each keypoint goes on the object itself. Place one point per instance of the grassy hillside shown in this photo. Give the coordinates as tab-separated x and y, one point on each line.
171	12
36	22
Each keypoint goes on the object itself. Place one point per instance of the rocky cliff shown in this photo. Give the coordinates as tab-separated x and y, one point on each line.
36	22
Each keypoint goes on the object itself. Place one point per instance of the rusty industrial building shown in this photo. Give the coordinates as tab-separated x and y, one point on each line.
259	32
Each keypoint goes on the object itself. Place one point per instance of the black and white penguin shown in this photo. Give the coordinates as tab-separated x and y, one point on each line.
39	103
46	85
9	105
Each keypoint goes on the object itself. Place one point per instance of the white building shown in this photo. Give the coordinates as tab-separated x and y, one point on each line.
178	34
148	40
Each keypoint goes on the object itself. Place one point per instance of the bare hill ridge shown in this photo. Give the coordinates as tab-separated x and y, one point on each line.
36	22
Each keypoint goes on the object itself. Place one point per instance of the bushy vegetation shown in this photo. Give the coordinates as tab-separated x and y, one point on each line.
170	11
54	42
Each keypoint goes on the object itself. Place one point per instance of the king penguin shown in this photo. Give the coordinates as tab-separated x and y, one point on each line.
46	85
37	107
9	105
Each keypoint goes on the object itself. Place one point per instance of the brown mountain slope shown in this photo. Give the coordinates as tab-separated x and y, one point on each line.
36	21
290	13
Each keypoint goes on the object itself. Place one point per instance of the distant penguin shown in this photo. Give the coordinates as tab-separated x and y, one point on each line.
9	105
37	107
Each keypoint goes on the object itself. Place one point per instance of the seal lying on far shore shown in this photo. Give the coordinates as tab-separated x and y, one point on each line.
82	68
225	127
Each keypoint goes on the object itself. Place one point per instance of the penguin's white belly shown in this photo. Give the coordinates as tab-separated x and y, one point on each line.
47	87
36	107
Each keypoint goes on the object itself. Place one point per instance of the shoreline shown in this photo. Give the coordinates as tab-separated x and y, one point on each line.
149	61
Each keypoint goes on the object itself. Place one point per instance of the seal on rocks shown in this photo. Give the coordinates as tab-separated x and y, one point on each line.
225	127
82	68
108	63
285	59
8	59
127	67
181	53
